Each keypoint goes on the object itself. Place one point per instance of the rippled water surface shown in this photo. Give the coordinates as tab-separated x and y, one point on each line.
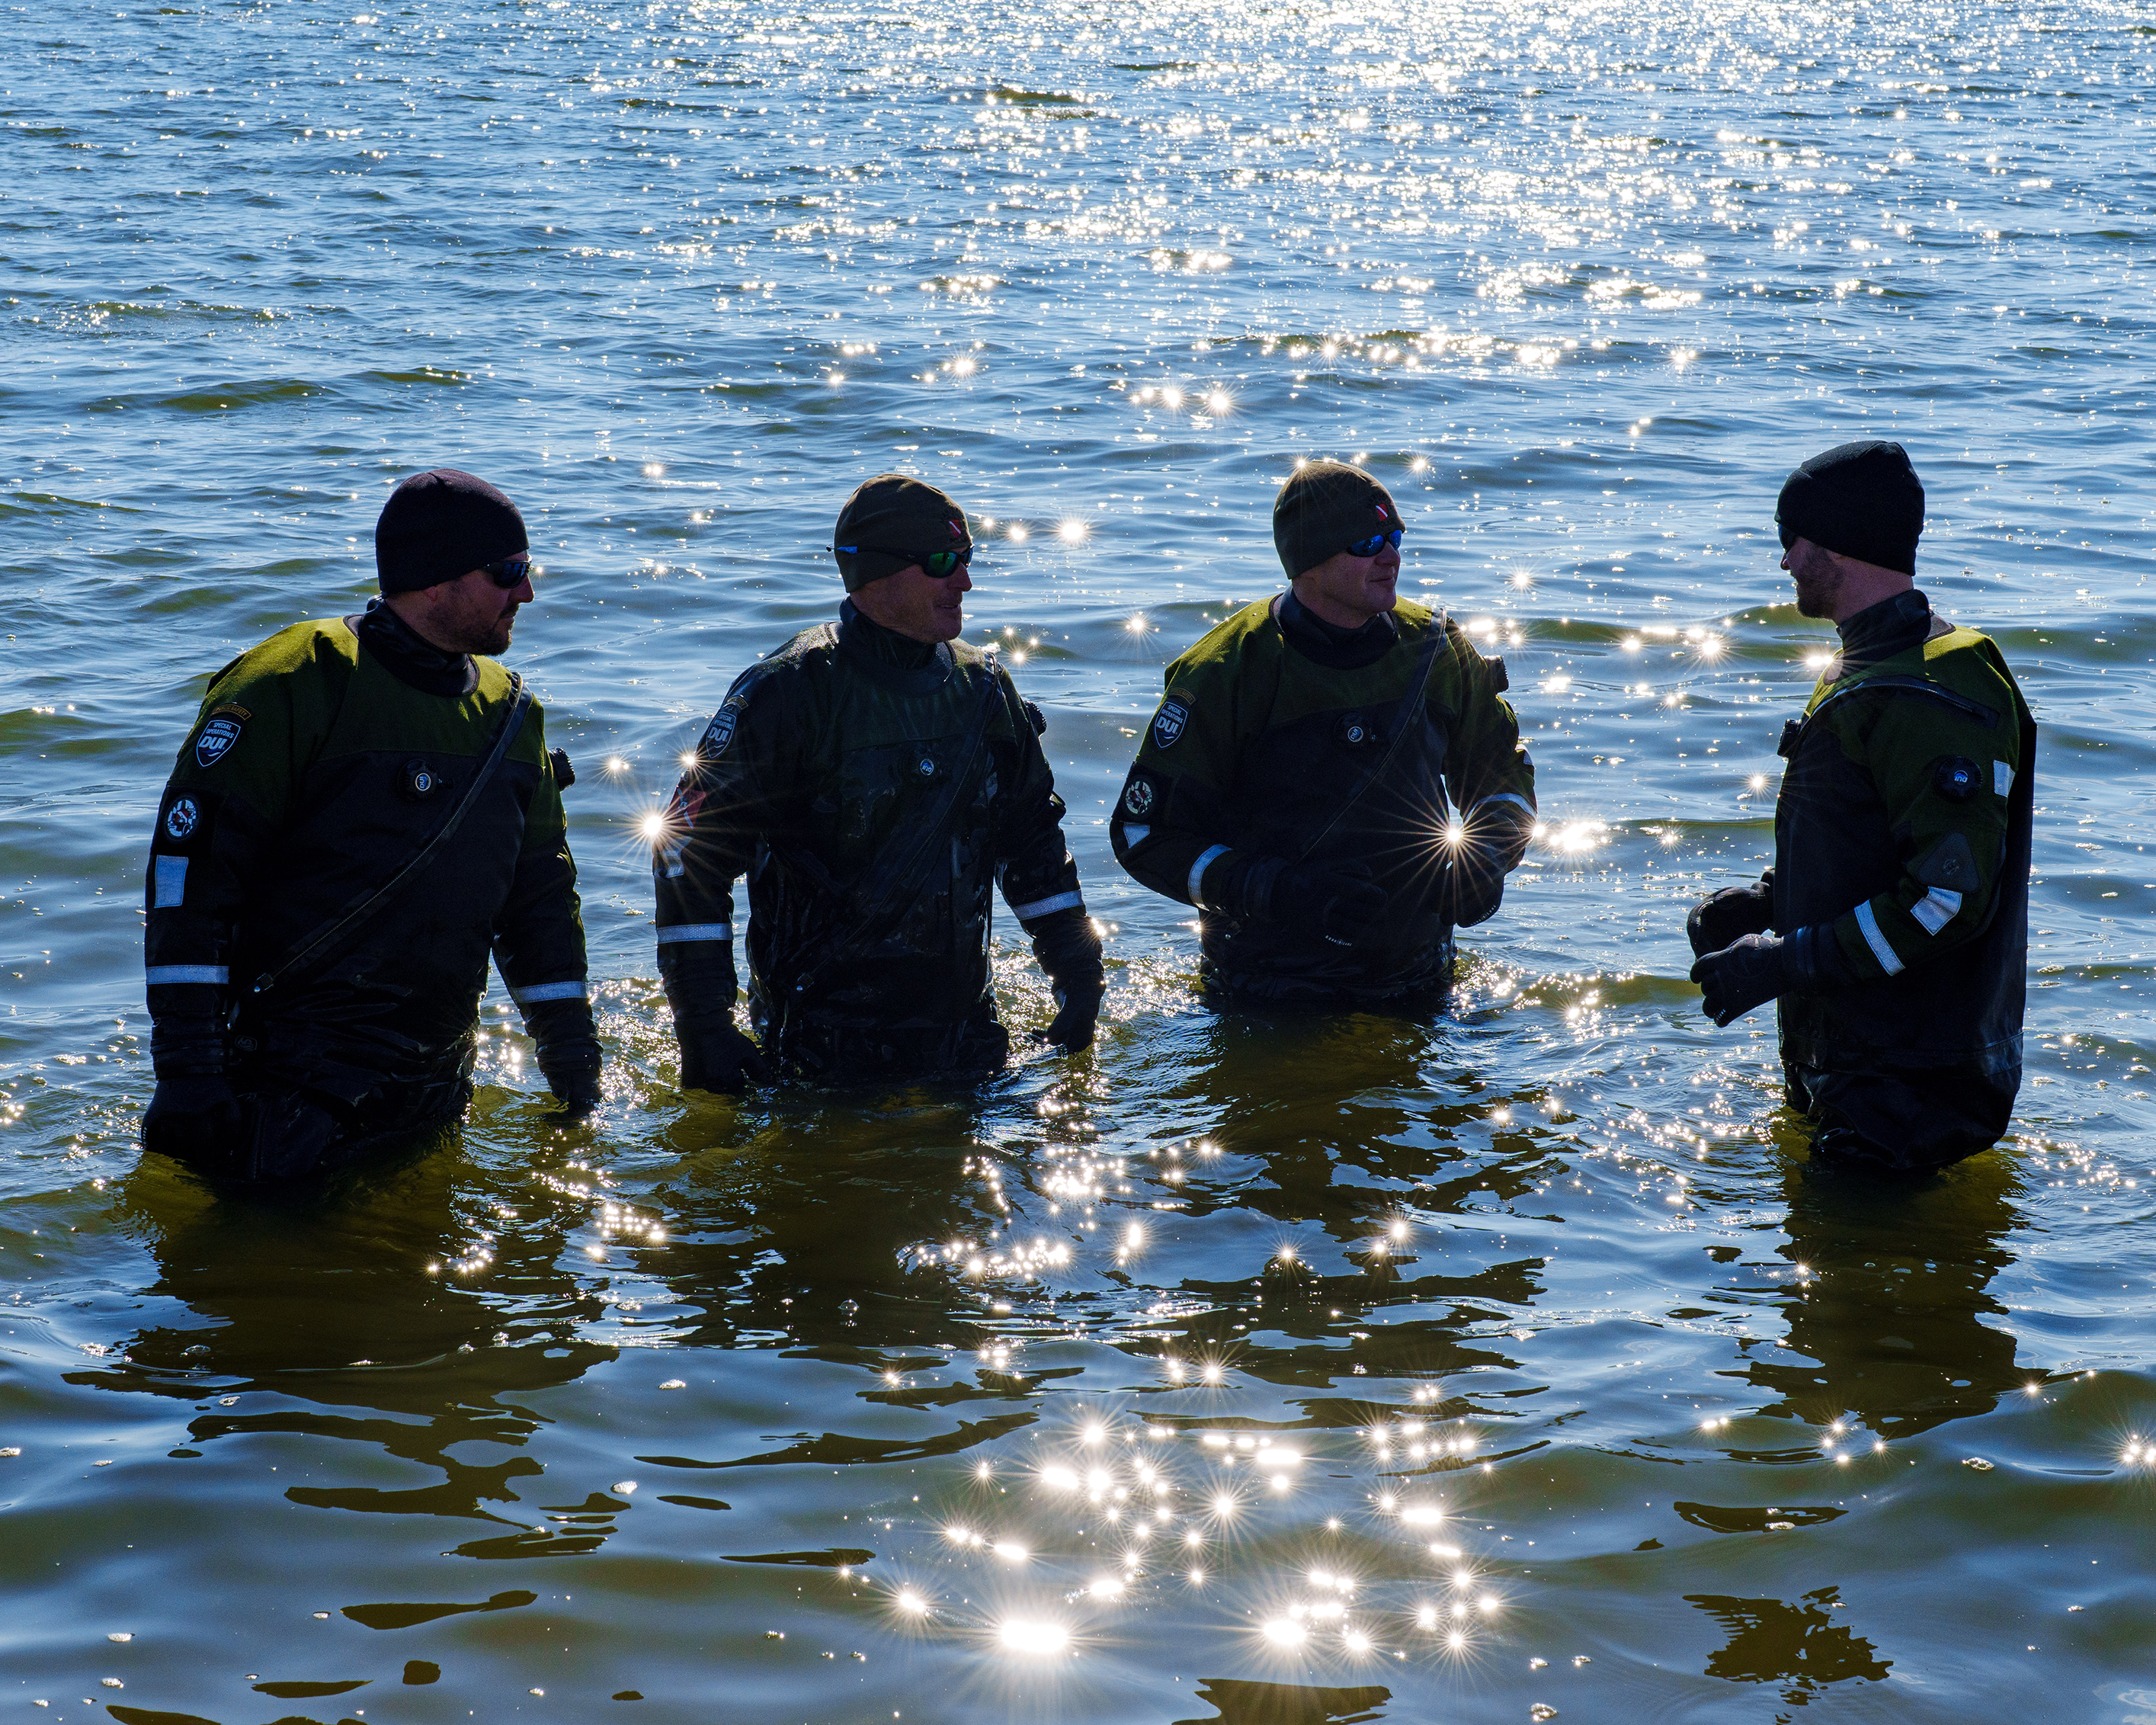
1582	1389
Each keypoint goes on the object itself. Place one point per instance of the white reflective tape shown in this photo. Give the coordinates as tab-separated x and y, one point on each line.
2002	777
682	934
160	976
1936	908
1042	906
1197	870
548	991
1875	938
170	875
1525	806
1137	835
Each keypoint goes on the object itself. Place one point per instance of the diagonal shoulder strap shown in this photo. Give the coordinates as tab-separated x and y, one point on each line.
326	934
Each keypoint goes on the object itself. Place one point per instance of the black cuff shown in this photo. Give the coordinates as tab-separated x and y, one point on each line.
187	1045
699	982
1814	960
1069	951
564	1031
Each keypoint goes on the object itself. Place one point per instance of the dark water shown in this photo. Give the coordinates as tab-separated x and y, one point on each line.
978	1405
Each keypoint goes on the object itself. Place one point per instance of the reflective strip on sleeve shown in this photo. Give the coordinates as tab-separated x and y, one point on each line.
549	991
1197	870
159	976
1042	906
2002	777
1936	908
1525	807
684	933
170	874
1875	938
1137	835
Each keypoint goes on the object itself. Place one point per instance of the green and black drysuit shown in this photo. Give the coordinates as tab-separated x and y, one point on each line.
1904	826
1283	738
872	788
322	762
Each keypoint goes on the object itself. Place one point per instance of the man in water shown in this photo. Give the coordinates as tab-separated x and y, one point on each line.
1893	927
300	1014
1332	779
872	777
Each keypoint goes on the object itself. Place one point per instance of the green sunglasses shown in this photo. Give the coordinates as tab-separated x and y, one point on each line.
936	565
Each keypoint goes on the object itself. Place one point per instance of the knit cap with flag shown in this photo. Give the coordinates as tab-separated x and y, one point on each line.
891	522
1325	507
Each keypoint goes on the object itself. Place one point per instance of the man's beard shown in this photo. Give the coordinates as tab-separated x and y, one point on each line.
1819	584
488	636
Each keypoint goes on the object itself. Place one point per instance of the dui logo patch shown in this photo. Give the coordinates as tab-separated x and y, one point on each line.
182	819
1170	723
720	730
1138	798
419	780
216	738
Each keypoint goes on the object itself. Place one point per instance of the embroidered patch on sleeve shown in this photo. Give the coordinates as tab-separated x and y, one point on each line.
214	741
720	730
181	820
1170	723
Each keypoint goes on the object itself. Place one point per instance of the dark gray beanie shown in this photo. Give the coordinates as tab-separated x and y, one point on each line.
442	524
888	524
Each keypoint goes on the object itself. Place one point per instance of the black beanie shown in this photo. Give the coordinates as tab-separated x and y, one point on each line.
1325	507
890	524
1863	499
440	525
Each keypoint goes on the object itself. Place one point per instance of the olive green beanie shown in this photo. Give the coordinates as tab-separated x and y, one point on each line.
1325	507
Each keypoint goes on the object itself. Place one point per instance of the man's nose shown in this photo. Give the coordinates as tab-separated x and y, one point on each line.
964	579
521	593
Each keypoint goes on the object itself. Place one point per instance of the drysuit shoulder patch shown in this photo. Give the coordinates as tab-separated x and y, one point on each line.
1950	864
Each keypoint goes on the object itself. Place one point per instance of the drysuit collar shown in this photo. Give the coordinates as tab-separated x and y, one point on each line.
409	657
909	666
1882	630
1330	645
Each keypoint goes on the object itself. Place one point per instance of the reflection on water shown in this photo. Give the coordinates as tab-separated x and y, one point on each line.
1244	1703
1891	1296
1799	1645
1492	1358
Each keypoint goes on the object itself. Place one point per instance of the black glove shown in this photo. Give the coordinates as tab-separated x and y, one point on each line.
1727	915
716	1056
1759	967
575	1087
1068	947
1077	1011
1469	889
569	1048
194	1118
1342	900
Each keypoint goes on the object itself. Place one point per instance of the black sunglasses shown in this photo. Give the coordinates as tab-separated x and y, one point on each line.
510	572
1370	548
